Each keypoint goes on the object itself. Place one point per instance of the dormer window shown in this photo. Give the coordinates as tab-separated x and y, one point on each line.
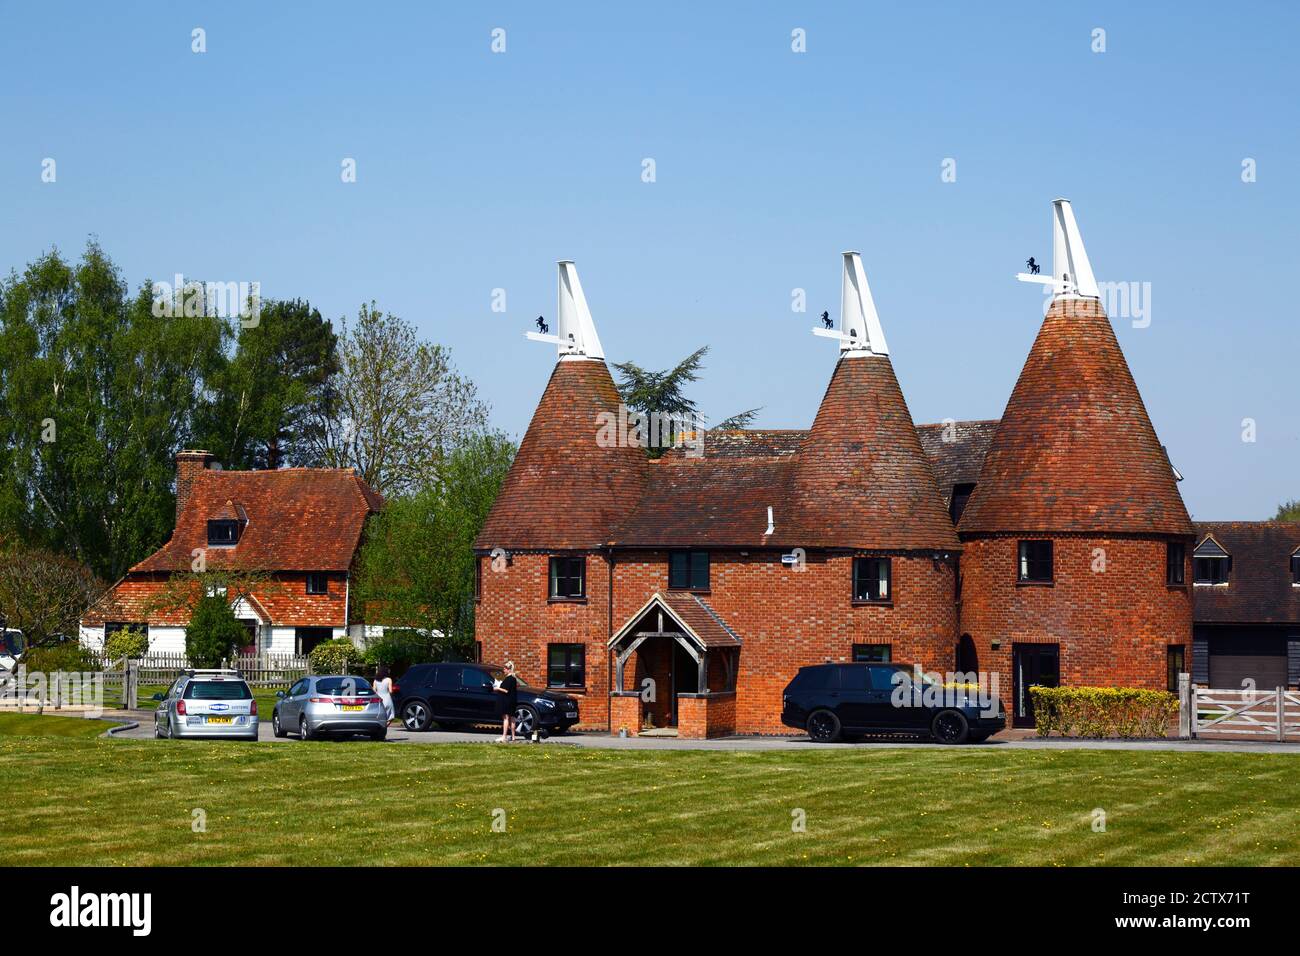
223	532
1211	564
1295	568
957	502
318	582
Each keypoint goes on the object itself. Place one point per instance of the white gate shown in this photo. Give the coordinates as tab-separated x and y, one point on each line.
1262	714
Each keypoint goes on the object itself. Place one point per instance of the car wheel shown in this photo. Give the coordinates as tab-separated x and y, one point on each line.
416	715
275	724
525	720
304	732
950	727
823	727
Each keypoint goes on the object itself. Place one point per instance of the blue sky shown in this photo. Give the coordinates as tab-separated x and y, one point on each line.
476	171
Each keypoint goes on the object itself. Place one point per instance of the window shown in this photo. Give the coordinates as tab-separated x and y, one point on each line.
883	678
871	653
1211	564
854	678
1035	561
478	579
476	679
446	677
1175	563
566	665
871	579
1210	570
318	582
568	578
223	532
957	503
1295	568
688	570
1176	657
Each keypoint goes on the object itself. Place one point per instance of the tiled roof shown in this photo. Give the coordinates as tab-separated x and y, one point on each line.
144	598
708	501
307	519
757	443
1259	587
862	479
564	490
956	451
1075	450
688	611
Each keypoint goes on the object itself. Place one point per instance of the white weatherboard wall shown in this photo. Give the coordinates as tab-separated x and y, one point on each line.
92	638
282	640
166	640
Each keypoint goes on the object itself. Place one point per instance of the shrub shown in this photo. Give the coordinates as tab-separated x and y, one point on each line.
1103	711
338	656
398	650
128	642
68	656
213	633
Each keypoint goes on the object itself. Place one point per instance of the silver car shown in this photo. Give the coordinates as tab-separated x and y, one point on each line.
328	704
207	703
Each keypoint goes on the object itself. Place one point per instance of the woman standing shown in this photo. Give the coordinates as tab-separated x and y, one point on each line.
508	688
383	686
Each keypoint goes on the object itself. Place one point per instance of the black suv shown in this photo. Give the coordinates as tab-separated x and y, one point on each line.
830	700
451	695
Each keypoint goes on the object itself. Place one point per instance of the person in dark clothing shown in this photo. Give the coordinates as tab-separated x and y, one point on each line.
508	688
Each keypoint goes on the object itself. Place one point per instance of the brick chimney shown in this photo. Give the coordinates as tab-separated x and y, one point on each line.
189	462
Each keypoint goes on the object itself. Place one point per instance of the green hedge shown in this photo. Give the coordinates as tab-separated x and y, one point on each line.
68	656
338	656
1103	711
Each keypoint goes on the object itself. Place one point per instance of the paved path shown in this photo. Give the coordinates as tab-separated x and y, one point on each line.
1009	739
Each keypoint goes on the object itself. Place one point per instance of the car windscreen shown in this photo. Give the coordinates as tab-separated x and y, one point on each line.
343	685
12	642
217	690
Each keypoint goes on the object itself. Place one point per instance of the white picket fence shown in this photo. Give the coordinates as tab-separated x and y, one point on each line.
123	677
1261	714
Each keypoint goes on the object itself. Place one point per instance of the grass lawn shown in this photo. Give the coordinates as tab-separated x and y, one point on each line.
87	802
49	725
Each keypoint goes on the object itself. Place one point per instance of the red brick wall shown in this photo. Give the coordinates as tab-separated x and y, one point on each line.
785	619
1113	625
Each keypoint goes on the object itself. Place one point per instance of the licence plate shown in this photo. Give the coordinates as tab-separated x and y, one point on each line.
220	720
573	714
353	707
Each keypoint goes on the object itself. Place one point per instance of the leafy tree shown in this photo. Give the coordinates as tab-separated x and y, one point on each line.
44	594
1288	511
213	632
664	392
126	642
96	396
265	395
417	568
395	408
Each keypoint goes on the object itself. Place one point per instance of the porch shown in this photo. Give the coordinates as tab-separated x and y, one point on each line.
675	664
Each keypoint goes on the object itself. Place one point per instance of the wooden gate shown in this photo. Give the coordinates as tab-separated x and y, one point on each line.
1261	714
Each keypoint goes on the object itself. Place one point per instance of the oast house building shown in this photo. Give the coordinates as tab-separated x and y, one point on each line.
685	591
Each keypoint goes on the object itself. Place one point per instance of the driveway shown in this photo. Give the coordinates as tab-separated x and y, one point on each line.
1013	739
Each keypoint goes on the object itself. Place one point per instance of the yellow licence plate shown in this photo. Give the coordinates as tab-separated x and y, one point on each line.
353	707
220	720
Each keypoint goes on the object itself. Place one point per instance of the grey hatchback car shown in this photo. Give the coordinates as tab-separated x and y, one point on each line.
330	704
207	703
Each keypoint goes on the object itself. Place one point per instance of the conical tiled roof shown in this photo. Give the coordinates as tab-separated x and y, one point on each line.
1075	450
564	490
862	479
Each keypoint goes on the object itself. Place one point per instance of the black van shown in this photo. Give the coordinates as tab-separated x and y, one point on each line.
831	700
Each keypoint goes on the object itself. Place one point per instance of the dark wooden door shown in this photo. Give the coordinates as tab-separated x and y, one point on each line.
1032	665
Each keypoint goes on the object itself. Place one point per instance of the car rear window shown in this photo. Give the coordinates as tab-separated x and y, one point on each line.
343	685
217	690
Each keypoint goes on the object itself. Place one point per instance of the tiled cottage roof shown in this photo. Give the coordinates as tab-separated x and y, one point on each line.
756	443
565	488
297	519
1075	450
1259	589
956	451
862	479
711	501
681	609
